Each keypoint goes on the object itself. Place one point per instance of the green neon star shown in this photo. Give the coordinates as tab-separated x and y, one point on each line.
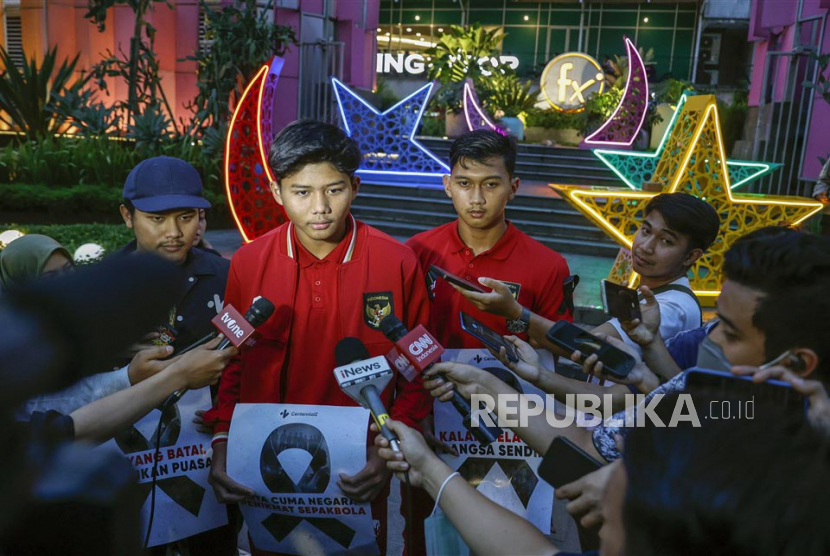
634	168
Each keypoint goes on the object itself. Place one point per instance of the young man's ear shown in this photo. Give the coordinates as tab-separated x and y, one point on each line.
276	191
128	218
692	256
514	186
355	186
802	361
446	179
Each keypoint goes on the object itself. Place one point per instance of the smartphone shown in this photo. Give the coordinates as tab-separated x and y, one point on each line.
620	302
488	336
565	462
562	464
722	385
571	338
453	279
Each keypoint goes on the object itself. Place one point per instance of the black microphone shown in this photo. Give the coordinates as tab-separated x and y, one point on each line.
396	331
363	379
259	312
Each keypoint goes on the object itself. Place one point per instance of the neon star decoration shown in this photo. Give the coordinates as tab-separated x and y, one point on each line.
635	168
622	128
248	177
694	162
387	139
473	114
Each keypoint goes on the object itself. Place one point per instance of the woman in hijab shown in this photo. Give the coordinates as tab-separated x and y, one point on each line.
30	258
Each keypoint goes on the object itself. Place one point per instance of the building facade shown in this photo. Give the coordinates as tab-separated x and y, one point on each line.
788	122
538	31
337	37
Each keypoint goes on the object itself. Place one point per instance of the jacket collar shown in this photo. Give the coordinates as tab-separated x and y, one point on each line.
347	256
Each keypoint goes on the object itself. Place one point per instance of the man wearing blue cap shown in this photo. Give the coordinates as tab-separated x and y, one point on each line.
162	198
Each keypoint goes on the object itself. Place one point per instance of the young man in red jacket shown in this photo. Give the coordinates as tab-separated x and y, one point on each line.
482	245
329	277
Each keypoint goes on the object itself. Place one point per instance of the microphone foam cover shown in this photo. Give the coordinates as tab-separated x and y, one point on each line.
348	350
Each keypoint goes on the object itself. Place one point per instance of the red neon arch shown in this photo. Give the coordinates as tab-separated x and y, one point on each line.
248	177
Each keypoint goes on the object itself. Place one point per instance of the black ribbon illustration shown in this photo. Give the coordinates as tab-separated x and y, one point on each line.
315	480
182	490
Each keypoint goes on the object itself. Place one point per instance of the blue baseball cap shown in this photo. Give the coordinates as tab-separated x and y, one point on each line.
164	183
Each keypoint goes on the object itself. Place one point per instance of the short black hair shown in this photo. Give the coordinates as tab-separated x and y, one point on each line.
128	205
722	488
309	142
689	216
792	270
483	144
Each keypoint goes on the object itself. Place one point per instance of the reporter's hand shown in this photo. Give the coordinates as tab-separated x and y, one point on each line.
446	376
499	302
226	489
528	367
818	412
148	362
640	376
369	481
643	331
585	496
415	456
203	365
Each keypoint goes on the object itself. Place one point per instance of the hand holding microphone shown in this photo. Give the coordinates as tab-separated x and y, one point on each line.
363	379
422	351
236	329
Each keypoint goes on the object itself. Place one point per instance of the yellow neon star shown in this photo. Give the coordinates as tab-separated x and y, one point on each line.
694	161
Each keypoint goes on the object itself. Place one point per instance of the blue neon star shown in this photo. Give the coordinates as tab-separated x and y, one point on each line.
387	139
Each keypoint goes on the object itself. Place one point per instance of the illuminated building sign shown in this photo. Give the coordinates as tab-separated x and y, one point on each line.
569	79
416	64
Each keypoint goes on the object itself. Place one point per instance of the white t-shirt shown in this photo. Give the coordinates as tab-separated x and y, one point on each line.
678	312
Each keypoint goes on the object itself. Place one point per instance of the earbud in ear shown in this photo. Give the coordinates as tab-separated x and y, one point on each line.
796	363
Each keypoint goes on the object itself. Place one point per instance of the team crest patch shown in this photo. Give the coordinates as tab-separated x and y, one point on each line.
377	306
514	289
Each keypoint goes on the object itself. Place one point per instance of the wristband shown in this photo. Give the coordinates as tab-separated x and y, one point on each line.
441	490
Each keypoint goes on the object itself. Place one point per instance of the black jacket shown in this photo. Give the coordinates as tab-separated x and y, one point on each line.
203	295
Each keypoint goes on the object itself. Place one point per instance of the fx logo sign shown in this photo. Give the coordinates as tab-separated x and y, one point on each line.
569	79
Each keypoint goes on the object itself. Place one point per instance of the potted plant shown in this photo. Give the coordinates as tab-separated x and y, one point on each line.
509	99
454	58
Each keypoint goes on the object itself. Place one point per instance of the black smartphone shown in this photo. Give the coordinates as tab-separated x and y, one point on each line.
439	272
565	462
571	338
724	386
488	336
620	302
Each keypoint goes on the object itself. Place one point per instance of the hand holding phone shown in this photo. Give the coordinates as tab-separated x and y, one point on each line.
439	272
620	302
571	338
488	336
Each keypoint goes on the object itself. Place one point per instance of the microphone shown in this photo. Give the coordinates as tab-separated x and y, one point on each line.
421	350
236	328
363	379
232	324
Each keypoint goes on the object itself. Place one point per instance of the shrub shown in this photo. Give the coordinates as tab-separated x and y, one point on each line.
109	236
553	119
93	199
